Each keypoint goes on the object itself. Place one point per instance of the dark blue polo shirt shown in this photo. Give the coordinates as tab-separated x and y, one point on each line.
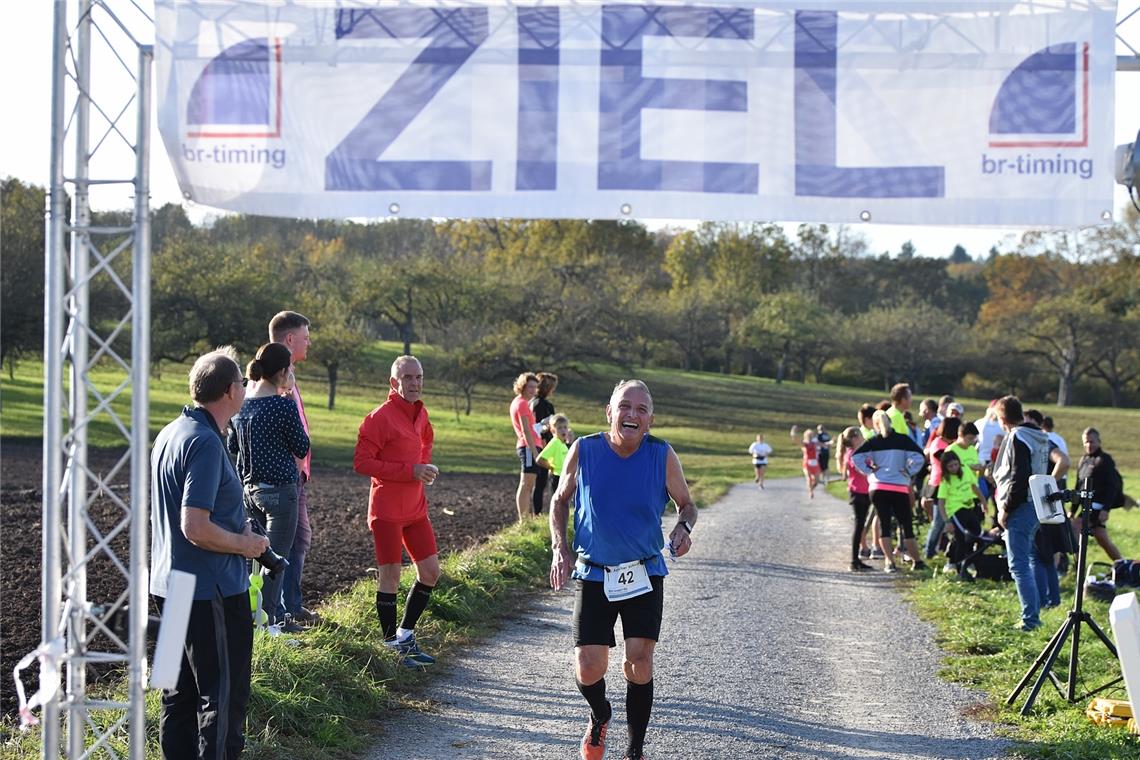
190	468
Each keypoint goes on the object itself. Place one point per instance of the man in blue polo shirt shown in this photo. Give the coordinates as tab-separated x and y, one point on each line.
198	526
620	482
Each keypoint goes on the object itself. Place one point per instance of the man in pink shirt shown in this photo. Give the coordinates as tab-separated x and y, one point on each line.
292	329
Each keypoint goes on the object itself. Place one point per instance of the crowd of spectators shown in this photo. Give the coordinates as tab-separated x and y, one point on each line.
967	481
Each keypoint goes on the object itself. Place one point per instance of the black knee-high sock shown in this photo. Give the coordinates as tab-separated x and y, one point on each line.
595	694
418	598
638	706
386	611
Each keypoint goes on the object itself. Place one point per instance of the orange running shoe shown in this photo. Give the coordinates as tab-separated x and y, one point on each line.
594	742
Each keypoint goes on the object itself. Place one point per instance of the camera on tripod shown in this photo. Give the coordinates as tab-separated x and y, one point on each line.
271	561
1049	501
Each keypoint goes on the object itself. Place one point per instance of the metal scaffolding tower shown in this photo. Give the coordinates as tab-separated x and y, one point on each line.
95	381
96	371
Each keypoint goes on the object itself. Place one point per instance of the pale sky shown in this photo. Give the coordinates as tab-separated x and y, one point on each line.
25	58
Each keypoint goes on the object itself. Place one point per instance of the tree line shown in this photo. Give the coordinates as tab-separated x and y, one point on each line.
1056	318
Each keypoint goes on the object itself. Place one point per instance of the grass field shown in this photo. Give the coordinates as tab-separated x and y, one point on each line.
710	420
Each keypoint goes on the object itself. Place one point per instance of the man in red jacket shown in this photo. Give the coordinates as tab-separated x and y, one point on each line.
393	447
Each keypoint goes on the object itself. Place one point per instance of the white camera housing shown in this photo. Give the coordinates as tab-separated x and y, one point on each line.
1048	512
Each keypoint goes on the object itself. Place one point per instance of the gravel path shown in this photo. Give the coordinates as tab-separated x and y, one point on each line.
769	649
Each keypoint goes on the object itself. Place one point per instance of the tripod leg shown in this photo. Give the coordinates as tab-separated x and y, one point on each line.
1074	655
1070	625
1046	654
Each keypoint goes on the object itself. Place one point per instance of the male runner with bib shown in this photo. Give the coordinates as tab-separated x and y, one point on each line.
620	481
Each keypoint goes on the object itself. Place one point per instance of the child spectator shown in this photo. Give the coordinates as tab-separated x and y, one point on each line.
858	496
553	455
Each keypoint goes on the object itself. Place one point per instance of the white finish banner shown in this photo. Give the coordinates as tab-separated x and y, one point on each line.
905	111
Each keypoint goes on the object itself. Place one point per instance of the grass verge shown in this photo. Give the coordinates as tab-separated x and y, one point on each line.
974	624
324	694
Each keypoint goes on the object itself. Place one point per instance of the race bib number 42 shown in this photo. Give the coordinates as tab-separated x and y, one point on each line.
626	581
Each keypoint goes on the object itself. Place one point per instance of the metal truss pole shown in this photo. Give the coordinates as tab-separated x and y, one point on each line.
93	367
140	411
79	312
53	366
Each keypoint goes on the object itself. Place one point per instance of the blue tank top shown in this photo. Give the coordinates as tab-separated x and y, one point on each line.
618	506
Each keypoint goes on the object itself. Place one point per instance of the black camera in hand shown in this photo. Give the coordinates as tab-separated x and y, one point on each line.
273	562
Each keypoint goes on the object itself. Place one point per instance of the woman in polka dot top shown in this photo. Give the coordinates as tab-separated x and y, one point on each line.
267	436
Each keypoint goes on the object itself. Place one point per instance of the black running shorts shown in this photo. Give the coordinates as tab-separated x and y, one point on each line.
595	615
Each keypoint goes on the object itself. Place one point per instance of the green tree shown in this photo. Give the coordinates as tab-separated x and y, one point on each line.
959	255
206	294
791	326
913	342
22	273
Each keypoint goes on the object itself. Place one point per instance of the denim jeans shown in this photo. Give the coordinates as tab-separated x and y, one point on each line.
937	525
1021	527
275	507
301	542
1048	582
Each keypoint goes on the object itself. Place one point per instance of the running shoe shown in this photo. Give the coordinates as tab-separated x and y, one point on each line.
289	625
413	655
594	742
919	565
891	568
858	567
864	553
876	553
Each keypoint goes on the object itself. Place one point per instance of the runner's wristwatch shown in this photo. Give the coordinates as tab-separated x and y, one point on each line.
686	525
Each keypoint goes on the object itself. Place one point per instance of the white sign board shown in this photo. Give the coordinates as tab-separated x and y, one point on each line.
909	111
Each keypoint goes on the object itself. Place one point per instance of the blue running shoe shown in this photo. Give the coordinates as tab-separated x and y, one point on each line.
413	655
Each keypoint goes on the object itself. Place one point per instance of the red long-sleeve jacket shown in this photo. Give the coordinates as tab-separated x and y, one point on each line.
393	437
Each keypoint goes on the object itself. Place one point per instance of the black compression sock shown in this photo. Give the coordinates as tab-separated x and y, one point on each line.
418	598
595	694
638	706
386	611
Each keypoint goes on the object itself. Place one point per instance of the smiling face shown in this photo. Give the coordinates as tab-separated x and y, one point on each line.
630	414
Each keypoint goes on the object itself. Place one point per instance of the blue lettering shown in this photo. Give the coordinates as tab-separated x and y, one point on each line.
537	164
455	34
625	93
815	97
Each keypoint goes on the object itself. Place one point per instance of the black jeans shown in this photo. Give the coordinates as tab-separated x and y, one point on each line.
860	505
537	499
204	715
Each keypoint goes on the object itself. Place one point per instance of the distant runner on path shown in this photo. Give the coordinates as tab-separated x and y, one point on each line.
627	478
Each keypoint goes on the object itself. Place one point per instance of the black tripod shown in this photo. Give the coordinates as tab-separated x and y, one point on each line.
1082	500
